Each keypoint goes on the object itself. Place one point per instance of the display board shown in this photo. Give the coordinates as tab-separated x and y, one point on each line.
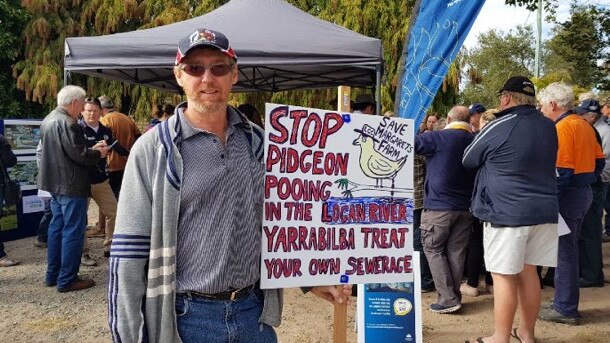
22	135
25	172
22	220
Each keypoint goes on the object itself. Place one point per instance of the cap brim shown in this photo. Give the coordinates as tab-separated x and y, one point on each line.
205	44
579	110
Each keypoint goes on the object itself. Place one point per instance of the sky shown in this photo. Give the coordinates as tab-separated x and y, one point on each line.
495	14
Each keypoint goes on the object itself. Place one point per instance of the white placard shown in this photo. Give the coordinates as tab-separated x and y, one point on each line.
44	194
562	227
338	198
32	203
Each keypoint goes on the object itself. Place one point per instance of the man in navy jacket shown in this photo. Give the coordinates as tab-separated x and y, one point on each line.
101	191
446	219
515	194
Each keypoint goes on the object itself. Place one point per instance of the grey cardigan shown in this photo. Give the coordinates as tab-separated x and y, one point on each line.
142	266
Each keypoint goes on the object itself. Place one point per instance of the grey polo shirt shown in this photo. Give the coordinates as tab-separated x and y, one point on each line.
221	201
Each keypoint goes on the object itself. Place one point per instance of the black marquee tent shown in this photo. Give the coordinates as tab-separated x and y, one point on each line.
278	46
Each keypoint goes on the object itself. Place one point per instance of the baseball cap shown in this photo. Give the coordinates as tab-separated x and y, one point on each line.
519	84
476	108
588	105
203	38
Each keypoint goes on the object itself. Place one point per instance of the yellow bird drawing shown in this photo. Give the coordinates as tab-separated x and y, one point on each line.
373	163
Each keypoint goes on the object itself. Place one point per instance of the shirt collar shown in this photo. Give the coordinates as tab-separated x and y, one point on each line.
84	125
189	130
567	113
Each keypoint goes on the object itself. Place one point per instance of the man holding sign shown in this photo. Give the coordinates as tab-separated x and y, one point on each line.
185	259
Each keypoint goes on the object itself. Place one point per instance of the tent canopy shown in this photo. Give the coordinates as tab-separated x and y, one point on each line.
278	47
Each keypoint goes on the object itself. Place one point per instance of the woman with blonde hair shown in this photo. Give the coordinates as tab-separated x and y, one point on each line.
487	116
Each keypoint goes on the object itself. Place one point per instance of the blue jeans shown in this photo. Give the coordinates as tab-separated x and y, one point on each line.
211	321
573	205
590	240
65	239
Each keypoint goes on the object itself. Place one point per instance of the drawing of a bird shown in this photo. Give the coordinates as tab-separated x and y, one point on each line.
373	163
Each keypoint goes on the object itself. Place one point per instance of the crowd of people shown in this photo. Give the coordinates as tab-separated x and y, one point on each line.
182	240
492	188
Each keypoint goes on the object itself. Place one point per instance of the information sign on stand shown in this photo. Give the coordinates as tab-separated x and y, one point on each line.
391	312
22	220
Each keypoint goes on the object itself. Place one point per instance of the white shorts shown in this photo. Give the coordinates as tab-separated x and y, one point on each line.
507	249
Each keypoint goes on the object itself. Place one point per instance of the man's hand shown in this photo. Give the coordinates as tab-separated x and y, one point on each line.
102	147
333	294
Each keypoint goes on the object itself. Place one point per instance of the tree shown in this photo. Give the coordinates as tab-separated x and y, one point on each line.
497	57
12	102
532	5
39	72
578	45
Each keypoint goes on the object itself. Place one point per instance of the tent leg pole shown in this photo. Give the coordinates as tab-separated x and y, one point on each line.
66	77
378	90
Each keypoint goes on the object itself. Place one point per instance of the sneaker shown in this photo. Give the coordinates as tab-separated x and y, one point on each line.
86	260
551	315
77	285
468	290
438	308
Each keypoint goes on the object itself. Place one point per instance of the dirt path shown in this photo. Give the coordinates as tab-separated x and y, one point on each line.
34	313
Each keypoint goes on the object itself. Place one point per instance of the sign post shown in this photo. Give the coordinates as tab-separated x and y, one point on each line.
340	310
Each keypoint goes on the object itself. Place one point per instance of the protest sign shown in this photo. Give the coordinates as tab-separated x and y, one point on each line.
338	202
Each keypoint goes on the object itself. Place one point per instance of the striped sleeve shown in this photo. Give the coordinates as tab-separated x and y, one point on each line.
476	153
130	251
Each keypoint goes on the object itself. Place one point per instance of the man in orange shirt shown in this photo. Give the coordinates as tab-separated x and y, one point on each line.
126	132
580	160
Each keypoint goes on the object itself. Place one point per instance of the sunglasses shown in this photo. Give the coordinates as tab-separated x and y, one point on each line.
198	70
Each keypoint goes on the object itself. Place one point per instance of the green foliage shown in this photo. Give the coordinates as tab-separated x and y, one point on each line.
578	44
532	5
12	101
497	57
12	18
39	72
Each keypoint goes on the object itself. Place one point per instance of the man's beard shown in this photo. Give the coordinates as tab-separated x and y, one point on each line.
205	107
